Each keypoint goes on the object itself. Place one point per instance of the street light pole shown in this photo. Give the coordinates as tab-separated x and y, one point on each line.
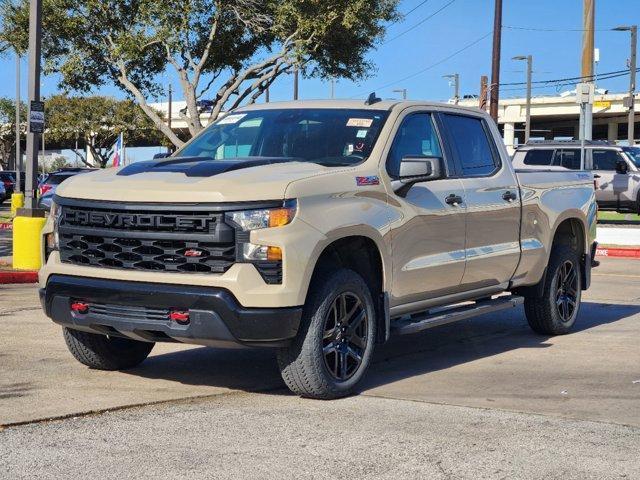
456	86
35	33
403	91
18	162
632	83
629	101
527	128
295	83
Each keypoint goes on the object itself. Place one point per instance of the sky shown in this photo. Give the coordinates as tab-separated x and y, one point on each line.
441	37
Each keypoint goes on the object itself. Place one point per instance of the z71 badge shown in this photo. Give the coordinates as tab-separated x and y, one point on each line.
366	181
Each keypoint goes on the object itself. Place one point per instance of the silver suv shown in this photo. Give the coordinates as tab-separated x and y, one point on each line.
616	169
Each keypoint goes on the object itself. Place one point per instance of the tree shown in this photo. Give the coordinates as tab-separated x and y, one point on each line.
8	130
96	122
235	48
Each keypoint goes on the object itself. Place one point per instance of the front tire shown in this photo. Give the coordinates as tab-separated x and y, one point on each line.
333	348
105	353
556	311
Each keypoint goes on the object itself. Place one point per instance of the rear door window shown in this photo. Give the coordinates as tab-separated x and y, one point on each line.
539	157
470	143
568	158
604	159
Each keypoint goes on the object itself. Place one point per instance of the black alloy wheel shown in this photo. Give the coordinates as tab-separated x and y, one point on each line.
345	336
566	291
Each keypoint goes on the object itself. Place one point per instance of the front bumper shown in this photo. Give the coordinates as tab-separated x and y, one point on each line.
134	310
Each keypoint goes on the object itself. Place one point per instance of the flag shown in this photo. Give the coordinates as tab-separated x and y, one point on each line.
118	155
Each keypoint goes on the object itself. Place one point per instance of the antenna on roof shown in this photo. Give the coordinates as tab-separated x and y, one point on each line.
372	99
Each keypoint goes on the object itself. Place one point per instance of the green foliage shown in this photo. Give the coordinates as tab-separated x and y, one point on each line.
8	129
58	163
235	48
97	122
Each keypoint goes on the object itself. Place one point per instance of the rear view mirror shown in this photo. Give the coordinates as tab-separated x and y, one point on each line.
161	155
622	167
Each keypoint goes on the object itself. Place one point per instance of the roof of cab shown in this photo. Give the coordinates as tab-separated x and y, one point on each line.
381	105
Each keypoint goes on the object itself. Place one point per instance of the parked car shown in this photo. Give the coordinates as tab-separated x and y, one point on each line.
616	169
8	180
318	229
3	193
48	186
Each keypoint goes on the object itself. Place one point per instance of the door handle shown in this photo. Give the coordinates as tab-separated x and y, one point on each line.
453	199
509	196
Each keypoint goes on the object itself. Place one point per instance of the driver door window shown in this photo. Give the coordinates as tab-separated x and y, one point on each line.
416	137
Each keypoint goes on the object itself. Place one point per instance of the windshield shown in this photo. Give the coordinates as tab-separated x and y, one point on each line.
633	153
331	137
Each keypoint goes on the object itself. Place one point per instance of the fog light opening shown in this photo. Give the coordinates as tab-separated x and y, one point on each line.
179	316
79	307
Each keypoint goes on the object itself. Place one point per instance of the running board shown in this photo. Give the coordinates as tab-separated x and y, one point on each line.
417	323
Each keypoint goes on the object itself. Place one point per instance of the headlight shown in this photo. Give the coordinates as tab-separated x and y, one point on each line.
52	238
265	218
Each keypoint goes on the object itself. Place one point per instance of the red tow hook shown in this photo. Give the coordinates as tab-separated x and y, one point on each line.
79	307
179	316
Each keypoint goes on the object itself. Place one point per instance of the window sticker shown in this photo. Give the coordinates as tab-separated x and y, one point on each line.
254	122
360	122
229	119
361	133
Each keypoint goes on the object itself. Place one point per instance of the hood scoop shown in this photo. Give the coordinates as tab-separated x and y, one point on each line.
199	167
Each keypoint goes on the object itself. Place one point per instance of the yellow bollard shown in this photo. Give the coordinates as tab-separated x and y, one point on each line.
27	242
17	201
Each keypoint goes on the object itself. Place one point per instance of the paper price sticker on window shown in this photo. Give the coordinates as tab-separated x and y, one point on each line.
229	119
360	122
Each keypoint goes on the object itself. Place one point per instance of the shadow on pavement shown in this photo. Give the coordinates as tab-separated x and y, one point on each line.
435	349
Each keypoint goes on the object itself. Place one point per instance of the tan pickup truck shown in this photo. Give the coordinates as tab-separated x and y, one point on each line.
320	229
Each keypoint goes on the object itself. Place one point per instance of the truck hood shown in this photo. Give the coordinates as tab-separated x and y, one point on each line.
191	180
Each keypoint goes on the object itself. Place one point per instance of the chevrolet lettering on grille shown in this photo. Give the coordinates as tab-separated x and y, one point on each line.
133	220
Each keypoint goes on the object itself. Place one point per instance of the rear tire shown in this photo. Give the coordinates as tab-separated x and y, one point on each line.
333	348
105	353
556	311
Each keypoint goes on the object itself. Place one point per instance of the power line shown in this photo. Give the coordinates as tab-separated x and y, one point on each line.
415	8
420	22
587	78
569	81
439	62
535	29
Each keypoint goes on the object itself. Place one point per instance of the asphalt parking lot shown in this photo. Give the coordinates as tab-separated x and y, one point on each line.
484	398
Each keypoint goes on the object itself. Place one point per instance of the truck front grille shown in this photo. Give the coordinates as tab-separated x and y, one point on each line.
146	254
167	238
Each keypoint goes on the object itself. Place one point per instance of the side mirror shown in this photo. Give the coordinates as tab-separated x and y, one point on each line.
420	169
414	169
622	167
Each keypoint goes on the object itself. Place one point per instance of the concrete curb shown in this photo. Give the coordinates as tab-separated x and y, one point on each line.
30	276
618	252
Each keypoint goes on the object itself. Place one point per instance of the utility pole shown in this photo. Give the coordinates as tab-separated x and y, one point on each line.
295	83
588	19
494	92
527	128
630	100
455	78
266	95
482	104
333	88
18	162
35	34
